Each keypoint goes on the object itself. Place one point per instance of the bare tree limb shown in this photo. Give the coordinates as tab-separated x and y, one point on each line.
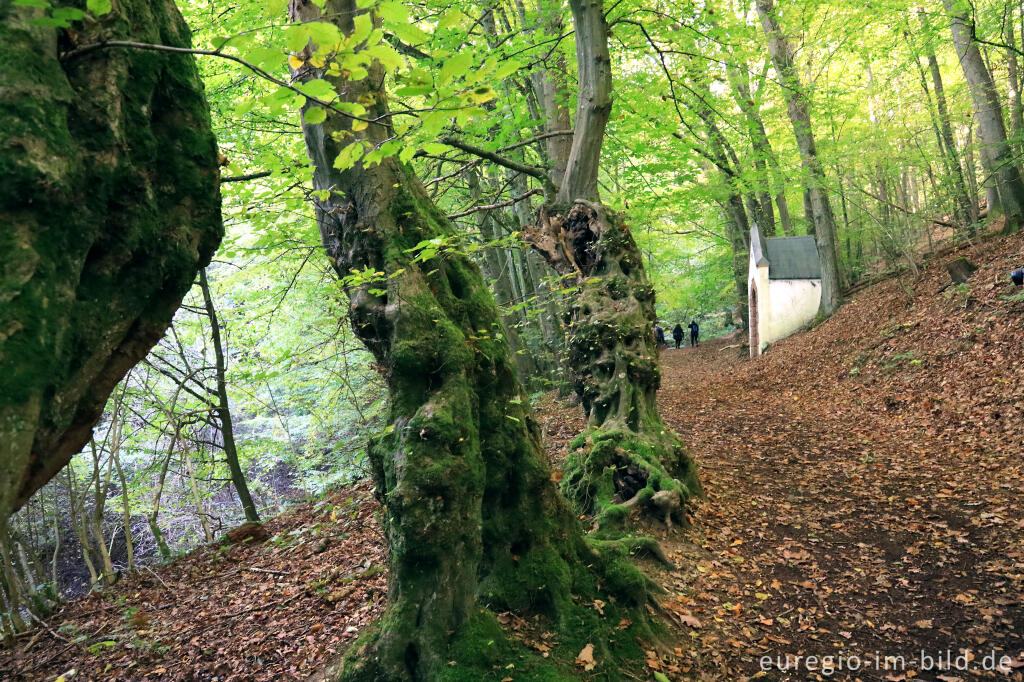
86	49
500	204
250	176
525	169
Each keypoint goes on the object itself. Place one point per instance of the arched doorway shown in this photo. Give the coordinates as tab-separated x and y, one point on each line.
755	339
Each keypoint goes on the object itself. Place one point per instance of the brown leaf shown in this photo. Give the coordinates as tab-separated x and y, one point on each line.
585	658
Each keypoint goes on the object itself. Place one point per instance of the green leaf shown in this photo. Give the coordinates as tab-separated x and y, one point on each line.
451	19
264	57
660	677
386	55
408	33
348	156
363	26
244	107
32	3
456	66
98	7
315	115
323	34
318	88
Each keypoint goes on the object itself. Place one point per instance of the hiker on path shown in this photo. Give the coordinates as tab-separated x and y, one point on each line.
659	336
694	333
677	334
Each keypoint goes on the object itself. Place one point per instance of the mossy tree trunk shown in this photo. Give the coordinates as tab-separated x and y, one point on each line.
474	522
109	205
628	455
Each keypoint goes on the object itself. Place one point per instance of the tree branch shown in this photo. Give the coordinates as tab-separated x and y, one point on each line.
500	204
250	176
532	171
86	49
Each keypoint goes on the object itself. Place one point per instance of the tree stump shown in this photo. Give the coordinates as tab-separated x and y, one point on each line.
960	270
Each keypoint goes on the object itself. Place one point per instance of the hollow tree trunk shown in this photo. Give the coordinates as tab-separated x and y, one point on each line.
628	455
227	429
800	116
473	521
109	205
996	155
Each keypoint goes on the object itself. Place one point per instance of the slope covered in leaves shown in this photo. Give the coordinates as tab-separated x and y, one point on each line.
253	611
864	486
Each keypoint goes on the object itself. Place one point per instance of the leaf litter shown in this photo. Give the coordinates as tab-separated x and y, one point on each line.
863	486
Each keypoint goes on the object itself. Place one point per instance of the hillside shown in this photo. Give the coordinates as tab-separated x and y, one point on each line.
863	483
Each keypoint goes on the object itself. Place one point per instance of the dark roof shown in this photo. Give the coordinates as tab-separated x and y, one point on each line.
792	258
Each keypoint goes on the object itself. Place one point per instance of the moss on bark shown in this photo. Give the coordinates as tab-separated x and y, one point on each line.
628	456
474	522
109	203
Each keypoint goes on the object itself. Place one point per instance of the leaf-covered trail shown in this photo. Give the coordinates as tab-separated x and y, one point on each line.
864	494
864	491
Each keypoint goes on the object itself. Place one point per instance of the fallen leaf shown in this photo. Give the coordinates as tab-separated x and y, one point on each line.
586	658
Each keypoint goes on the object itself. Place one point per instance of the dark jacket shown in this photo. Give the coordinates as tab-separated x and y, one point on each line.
677	332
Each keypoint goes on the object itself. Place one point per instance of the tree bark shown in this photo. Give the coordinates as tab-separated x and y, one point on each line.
472	517
765	162
109	203
966	209
996	155
627	455
1013	81
800	116
227	429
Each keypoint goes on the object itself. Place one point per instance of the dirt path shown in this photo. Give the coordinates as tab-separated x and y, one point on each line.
835	529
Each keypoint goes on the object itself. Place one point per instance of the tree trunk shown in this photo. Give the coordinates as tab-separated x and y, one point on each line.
1013	82
800	116
494	263
473	520
154	526
101	489
972	168
593	101
129	540
109	203
784	219
965	209
765	162
197	497
627	455
227	430
77	515
996	155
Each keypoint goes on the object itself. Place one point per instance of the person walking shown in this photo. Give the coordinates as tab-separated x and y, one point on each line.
677	334
659	336
694	333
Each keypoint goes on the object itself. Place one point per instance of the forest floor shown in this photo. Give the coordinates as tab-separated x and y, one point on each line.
864	489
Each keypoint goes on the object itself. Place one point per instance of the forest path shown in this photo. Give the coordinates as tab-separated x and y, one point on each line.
833	528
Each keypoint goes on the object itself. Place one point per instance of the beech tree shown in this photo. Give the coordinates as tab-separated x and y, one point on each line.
628	456
996	154
474	521
816	192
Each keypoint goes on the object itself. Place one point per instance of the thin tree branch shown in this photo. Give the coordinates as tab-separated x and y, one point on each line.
532	171
86	49
500	204
250	176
